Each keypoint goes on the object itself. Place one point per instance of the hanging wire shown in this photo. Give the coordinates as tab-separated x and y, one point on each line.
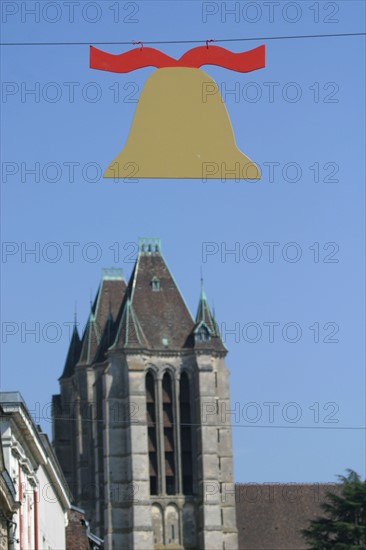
197	424
109	43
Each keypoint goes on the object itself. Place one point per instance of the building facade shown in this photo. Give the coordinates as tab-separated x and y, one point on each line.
40	500
8	502
138	428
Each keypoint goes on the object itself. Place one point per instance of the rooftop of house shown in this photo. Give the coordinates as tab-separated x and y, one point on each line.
13	407
270	516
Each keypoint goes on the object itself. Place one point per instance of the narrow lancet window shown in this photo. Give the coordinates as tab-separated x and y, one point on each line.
169	447
151	431
186	435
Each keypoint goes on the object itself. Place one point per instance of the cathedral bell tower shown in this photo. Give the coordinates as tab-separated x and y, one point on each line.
162	460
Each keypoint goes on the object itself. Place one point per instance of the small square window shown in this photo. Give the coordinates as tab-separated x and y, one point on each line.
203	334
155	284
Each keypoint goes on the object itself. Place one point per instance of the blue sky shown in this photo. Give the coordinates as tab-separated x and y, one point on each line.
311	131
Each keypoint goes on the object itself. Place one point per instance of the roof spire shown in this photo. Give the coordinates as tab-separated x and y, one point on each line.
73	353
206	332
204	315
109	304
130	333
203	311
201	270
75	314
90	340
203	293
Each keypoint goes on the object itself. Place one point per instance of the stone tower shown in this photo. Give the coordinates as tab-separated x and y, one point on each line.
142	424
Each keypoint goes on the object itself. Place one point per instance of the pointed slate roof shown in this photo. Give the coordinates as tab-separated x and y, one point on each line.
72	355
109	296
100	331
90	342
207	326
130	333
106	340
149	313
156	302
204	314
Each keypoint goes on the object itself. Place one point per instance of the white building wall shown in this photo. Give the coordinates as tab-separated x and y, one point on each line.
31	469
52	520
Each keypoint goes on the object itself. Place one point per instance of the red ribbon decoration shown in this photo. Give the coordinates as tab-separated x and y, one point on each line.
243	62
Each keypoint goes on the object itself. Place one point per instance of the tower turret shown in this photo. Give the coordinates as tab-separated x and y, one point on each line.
157	448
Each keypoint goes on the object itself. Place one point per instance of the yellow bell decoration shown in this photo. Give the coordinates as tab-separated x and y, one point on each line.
181	129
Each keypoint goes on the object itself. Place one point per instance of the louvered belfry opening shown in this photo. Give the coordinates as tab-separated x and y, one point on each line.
152	436
169	447
186	435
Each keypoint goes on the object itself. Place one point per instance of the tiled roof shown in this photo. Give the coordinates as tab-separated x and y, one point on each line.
158	304
270	516
98	333
108	300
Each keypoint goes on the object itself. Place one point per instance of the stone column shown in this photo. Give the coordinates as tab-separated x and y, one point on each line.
142	521
178	454
210	527
128	514
227	415
160	435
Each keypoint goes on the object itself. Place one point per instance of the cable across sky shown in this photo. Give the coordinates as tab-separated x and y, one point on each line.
135	43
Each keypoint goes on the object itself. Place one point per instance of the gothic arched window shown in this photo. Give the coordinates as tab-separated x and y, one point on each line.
186	434
151	431
169	444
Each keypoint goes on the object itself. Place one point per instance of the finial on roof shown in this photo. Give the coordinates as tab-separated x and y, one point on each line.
75	314
203	294
204	314
149	245
112	273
